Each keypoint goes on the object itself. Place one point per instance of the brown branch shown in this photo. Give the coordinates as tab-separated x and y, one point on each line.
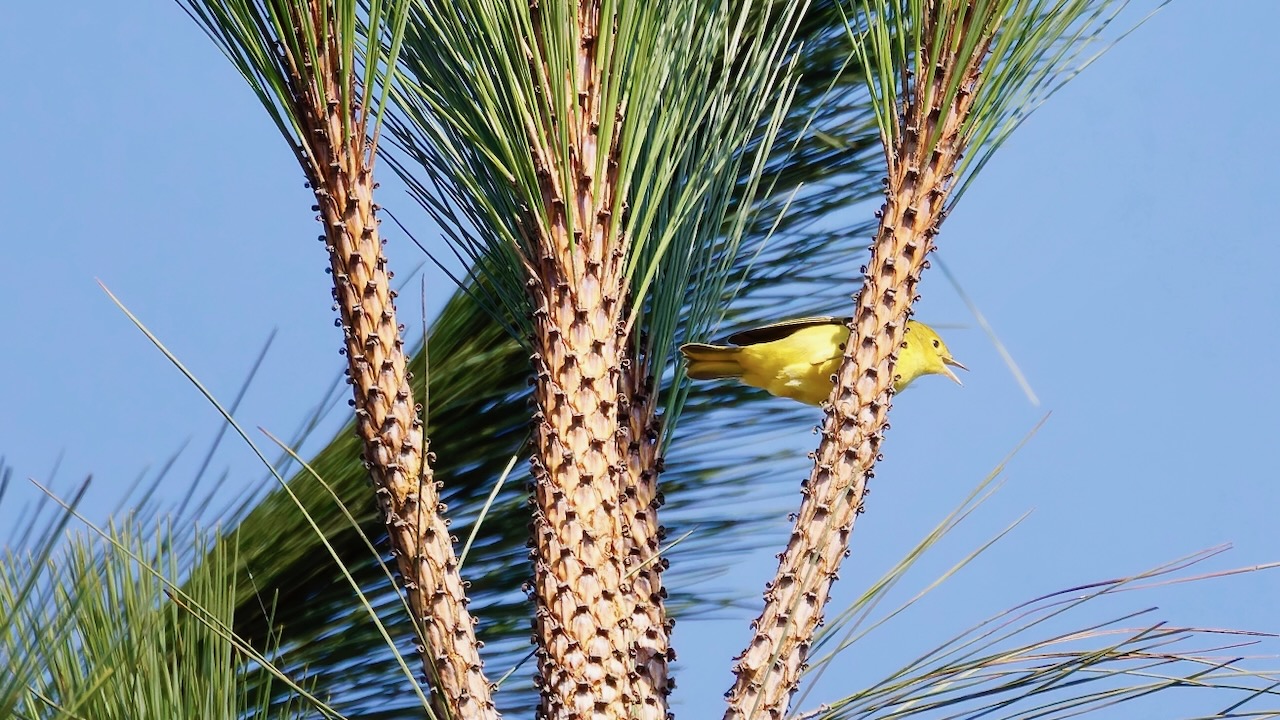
338	157
920	170
640	502
600	626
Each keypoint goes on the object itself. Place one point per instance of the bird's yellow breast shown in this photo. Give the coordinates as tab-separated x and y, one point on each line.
798	366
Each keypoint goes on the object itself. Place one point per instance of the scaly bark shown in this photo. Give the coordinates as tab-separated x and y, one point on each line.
920	172
600	628
640	502
582	621
387	419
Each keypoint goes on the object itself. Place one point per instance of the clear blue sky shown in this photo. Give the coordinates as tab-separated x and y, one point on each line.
1122	243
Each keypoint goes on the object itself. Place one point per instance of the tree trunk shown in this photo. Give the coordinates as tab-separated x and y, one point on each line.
340	168
919	177
597	582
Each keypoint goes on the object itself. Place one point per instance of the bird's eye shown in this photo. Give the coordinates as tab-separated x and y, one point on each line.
937	343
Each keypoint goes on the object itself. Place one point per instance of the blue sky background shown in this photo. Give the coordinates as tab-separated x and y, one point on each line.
1122	243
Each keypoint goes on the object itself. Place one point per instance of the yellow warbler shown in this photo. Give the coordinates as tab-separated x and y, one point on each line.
796	358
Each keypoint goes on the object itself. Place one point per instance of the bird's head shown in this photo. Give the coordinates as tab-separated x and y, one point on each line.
924	353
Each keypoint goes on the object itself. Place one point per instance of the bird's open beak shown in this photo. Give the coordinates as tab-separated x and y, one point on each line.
950	374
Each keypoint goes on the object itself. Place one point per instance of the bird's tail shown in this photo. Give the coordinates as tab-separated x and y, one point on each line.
708	362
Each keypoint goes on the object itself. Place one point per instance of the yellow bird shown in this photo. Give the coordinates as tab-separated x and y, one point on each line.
796	358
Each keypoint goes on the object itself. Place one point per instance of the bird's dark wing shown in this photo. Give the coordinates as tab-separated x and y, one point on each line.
779	330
